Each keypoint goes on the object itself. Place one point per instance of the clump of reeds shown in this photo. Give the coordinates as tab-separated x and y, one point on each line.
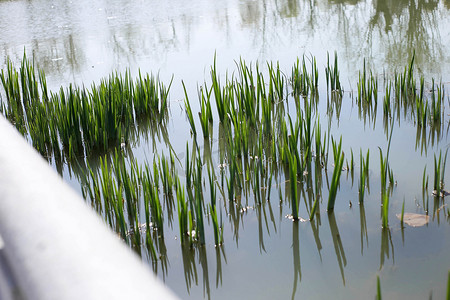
217	226
277	83
258	139
220	95
189	113
439	172
77	120
363	175
195	195
422	110
437	100
314	209
387	111
384	167
205	115
184	215
302	81
335	179
332	76
424	182
367	97
293	184
118	189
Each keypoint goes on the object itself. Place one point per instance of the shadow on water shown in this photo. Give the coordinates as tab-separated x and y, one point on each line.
387	247
296	257
315	225
189	254
338	247
363	224
203	260
261	228
220	251
189	266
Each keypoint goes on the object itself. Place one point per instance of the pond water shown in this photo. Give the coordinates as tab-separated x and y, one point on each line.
265	255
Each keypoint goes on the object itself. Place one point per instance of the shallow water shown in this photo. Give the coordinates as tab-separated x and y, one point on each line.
265	255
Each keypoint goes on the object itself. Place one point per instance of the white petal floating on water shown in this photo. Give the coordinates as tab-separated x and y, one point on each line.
414	220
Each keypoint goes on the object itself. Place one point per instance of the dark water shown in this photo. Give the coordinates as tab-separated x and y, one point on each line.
265	255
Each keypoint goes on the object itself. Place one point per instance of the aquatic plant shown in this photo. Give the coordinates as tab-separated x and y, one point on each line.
220	95
384	166
217	226
313	209
439	172
277	83
183	213
200	228
367	96
149	240
189	114
332	75
263	141
293	184
302	81
387	101
378	288
338	163
448	285
205	115
402	213
77	120
363	175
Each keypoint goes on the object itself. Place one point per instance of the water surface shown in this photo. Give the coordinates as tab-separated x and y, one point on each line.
265	255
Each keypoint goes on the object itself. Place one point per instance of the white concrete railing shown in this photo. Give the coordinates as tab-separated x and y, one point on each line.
54	246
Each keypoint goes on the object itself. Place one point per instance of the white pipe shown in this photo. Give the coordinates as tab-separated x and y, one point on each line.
55	245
